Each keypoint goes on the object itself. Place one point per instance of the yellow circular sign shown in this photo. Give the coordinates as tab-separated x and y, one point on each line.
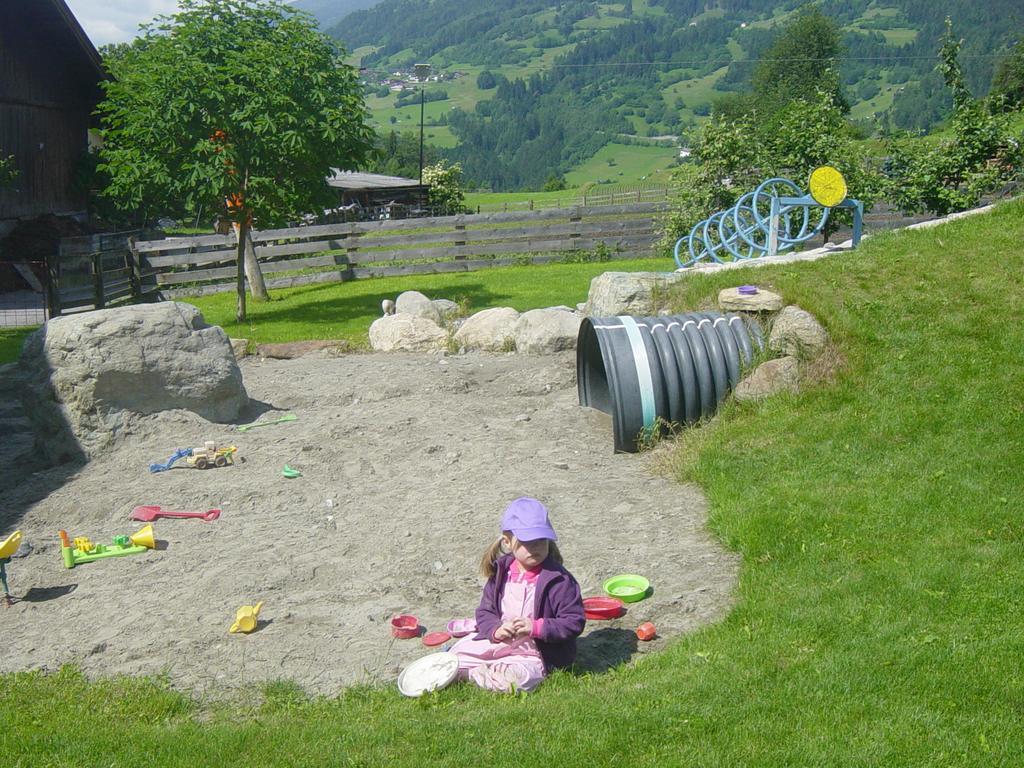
828	187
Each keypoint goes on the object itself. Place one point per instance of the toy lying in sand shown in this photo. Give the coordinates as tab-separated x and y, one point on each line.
7	549
200	458
82	550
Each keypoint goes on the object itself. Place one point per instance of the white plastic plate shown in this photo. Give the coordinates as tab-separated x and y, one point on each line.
428	673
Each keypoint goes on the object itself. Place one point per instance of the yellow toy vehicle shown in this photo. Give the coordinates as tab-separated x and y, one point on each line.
211	456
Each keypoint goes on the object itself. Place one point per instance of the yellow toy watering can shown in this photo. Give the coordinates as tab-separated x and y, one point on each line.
245	618
10	545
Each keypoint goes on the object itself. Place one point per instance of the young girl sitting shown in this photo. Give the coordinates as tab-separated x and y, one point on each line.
531	611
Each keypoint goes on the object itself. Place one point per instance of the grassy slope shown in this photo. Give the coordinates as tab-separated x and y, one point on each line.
878	614
632	163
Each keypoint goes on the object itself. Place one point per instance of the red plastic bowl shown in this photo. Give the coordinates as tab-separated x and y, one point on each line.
405	626
603	608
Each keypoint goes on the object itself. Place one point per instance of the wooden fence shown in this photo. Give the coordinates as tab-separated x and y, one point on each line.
596	196
95	271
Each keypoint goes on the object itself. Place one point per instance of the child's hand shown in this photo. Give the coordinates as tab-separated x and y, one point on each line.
523	627
505	633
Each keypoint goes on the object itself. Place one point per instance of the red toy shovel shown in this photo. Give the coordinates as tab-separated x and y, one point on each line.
149	513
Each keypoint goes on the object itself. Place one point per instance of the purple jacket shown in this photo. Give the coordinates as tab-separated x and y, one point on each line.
557	600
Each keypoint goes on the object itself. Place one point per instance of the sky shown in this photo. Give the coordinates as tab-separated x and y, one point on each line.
116	21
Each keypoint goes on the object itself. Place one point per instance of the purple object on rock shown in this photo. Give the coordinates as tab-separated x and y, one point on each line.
747	290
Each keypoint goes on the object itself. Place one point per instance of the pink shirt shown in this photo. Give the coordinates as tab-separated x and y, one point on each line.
527	576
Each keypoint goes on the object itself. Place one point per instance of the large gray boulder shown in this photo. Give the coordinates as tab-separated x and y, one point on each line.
796	332
408	333
89	375
490	330
629	293
416	304
544	331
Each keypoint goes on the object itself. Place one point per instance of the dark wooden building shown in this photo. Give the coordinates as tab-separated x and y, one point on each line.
373	195
49	87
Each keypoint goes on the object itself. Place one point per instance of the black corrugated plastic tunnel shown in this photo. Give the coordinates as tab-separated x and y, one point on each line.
649	371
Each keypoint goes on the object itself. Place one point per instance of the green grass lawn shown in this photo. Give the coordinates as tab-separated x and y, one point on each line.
345	310
491	200
11	340
877	620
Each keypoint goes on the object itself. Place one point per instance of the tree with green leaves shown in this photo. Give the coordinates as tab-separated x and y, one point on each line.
1008	80
235	106
800	62
981	157
733	155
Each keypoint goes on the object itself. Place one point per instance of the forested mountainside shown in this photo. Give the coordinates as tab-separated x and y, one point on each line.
330	12
572	74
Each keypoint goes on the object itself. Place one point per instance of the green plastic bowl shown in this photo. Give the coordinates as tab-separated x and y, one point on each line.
628	587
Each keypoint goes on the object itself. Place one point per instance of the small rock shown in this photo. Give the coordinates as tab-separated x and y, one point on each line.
329	503
797	332
406	332
561	465
769	378
292	349
240	347
446	308
731	300
523	417
438	566
416	304
387	307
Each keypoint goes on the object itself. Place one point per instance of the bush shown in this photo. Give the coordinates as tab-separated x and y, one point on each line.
445	181
554	183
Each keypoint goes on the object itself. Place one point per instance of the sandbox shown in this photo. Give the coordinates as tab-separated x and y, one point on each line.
407	462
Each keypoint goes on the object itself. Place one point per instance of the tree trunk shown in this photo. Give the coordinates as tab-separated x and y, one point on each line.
257	286
243	237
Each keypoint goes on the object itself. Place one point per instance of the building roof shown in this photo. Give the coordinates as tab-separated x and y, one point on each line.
353	180
82	39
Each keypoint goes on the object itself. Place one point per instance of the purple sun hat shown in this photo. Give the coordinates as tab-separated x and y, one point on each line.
528	520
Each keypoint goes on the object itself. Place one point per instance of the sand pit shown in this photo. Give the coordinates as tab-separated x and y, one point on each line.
407	462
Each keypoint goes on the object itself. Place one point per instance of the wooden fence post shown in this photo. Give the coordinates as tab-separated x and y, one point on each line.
460	228
135	264
97	280
52	290
351	250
